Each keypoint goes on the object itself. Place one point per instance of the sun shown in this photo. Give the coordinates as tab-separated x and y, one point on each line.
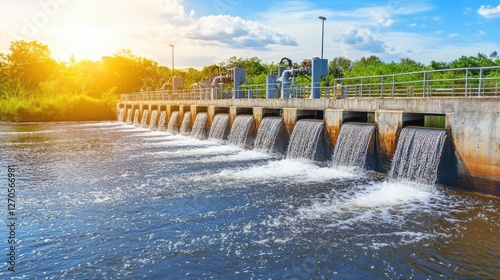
86	42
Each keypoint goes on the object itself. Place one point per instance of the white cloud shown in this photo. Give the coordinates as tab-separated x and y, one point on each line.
453	35
386	22
362	39
413	25
489	11
409	7
236	32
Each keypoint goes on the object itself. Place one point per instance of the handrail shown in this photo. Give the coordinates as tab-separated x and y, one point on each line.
474	81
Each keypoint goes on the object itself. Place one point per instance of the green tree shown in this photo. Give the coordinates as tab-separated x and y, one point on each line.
253	66
4	70
30	62
367	66
481	60
339	66
439	65
129	72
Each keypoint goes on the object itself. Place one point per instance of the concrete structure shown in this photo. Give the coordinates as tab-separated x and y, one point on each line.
471	159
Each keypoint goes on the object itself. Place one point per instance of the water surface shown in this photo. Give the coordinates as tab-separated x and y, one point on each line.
110	200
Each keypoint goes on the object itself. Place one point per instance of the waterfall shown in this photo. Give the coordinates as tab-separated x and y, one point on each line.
121	114
129	116
352	145
136	117
162	121
173	125
144	121
199	127
240	131
418	154
307	140
268	136
152	120
219	128
186	124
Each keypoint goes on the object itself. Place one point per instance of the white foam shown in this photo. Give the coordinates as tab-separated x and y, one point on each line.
296	170
97	124
388	194
146	133
130	128
30	132
370	202
244	155
221	149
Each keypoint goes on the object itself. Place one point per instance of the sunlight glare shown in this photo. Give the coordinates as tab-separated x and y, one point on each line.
87	42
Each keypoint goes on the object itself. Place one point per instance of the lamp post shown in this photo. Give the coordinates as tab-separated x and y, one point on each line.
173	69
322	18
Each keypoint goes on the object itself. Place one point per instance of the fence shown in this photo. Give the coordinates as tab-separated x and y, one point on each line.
462	82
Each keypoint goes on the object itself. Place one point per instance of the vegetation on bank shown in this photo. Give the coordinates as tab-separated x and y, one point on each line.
36	87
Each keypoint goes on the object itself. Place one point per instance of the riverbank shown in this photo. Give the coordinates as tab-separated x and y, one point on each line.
57	108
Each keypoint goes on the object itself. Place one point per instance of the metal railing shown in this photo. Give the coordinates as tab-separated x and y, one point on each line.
462	82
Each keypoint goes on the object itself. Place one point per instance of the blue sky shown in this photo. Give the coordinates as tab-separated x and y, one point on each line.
207	32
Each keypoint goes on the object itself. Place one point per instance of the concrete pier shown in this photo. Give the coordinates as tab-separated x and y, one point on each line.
471	159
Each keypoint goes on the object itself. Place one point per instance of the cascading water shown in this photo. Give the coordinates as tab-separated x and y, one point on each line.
219	128
152	120
186	124
162	121
129	116
173	125
121	115
136	117
306	141
199	127
352	146
144	121
239	135
418	154
268	136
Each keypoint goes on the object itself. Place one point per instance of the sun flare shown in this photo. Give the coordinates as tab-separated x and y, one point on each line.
86	42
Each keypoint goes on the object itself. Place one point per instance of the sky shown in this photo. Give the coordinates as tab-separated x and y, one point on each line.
206	32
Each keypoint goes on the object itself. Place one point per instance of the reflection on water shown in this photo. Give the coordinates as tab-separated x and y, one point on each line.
108	200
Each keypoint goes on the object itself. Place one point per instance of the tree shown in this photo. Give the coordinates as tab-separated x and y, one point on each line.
253	66
367	66
438	65
129	72
339	66
481	60
30	62
4	69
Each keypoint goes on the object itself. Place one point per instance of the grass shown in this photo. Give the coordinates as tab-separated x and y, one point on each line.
45	104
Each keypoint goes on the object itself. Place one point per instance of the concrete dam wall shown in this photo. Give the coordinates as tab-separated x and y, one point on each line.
471	155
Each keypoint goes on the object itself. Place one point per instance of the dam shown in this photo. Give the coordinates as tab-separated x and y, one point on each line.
409	126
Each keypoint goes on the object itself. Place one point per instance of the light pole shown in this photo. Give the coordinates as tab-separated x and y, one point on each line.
173	69
322	18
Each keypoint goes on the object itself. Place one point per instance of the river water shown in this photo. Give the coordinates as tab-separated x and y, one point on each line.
109	200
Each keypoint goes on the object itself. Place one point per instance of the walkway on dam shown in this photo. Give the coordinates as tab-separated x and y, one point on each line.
463	82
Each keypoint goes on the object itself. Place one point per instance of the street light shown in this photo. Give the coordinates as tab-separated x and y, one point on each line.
322	18
173	69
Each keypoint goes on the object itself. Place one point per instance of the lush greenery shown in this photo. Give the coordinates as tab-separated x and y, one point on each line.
36	87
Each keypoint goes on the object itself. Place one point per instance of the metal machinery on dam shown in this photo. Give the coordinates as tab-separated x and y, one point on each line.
467	109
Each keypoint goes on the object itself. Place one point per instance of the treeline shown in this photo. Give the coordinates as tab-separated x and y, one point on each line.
36	87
